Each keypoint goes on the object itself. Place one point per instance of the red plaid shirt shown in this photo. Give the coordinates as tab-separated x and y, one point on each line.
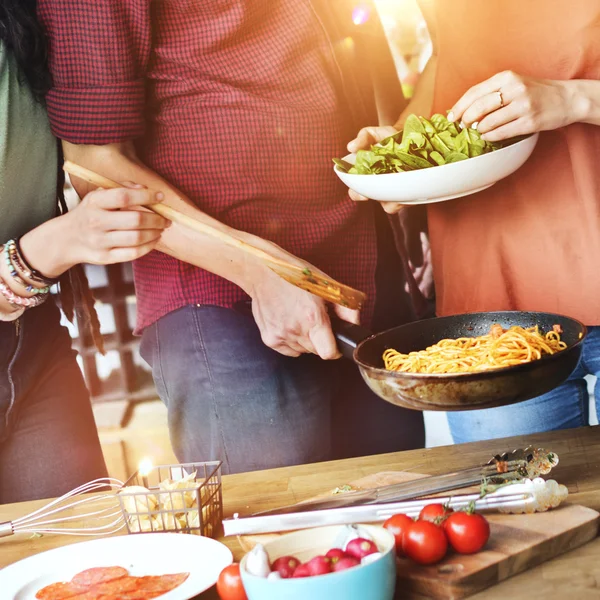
239	104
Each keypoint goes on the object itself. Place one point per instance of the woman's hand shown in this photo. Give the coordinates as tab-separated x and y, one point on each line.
107	227
508	105
366	137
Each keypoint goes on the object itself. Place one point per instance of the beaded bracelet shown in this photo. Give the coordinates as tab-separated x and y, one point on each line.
16	300
24	266
10	260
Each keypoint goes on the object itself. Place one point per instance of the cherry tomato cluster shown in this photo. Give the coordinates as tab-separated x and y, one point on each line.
426	539
230	586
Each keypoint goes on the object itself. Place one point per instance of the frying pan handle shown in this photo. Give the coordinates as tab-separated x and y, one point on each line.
348	336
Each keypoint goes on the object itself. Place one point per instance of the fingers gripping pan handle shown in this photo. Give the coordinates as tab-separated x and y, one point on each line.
348	336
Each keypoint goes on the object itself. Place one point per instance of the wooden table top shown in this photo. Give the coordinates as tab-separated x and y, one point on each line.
575	575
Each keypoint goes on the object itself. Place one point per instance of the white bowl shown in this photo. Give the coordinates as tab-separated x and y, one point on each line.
437	184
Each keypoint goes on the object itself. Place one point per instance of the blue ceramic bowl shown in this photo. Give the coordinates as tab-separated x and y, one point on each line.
374	581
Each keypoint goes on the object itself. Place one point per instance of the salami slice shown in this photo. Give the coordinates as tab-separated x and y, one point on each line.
161	583
89	596
112	583
91	577
59	591
136	595
117	586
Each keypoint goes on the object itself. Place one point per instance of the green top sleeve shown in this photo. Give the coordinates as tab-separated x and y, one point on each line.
28	156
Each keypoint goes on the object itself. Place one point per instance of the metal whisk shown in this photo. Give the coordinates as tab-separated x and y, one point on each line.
102	509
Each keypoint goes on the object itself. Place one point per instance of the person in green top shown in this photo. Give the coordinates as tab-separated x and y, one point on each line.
48	439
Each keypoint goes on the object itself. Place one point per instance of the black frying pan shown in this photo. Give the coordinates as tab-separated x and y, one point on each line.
466	391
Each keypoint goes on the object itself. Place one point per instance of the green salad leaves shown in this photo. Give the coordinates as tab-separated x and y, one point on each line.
423	143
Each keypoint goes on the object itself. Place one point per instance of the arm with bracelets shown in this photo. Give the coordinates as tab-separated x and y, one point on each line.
107	227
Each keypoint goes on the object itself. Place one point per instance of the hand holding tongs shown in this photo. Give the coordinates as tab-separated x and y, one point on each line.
302	277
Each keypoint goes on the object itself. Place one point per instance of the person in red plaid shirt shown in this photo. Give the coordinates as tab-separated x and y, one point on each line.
239	105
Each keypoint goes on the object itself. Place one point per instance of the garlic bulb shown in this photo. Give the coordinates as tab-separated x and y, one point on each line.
257	562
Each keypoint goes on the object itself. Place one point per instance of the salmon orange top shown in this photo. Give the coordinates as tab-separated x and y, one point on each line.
531	241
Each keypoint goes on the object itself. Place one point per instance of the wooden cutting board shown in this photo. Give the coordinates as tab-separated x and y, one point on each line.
517	543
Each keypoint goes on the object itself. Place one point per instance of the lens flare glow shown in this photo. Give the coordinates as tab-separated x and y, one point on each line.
145	467
360	14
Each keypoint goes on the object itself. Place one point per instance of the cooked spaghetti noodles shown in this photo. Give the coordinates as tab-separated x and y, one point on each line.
500	348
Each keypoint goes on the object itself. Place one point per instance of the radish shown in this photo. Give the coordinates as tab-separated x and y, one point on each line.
361	547
335	554
319	565
285	566
302	571
345	562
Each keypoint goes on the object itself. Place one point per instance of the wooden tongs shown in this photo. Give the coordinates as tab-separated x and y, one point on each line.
304	278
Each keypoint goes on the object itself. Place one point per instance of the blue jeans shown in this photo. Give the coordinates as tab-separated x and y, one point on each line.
231	398
48	438
565	407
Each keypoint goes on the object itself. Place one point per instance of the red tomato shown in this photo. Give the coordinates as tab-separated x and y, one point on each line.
398	524
424	542
229	584
467	532
435	513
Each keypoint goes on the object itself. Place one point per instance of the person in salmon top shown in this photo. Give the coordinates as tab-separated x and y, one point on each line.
532	241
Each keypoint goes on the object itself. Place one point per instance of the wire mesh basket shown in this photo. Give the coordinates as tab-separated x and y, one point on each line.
186	498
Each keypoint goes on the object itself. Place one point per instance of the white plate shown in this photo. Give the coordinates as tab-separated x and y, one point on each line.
438	184
141	554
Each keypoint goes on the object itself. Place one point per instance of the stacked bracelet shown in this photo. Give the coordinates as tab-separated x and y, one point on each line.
19	269
26	269
10	258
16	300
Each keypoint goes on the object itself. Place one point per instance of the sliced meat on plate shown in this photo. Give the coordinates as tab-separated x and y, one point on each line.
60	591
162	583
91	577
117	586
